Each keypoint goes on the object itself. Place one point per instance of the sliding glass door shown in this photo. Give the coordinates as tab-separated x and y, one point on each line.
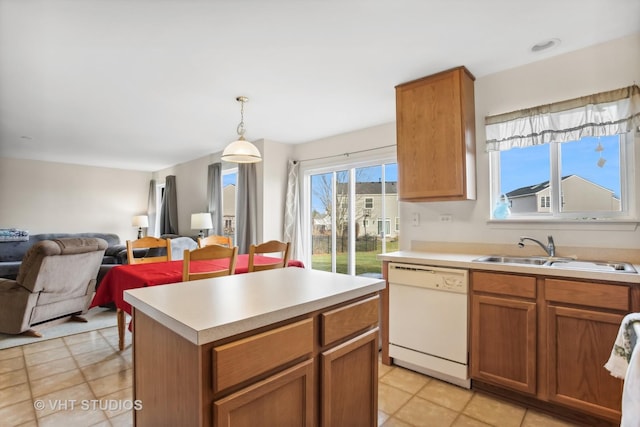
352	217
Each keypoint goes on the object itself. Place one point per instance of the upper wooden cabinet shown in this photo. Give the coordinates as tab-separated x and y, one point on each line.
435	119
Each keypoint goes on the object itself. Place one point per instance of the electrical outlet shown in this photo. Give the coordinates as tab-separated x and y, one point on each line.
446	218
415	219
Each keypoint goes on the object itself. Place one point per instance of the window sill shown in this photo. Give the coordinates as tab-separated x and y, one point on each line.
565	224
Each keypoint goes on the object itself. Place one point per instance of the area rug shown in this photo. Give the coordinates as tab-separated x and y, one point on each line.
98	318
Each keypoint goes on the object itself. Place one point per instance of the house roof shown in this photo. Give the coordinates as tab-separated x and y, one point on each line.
536	188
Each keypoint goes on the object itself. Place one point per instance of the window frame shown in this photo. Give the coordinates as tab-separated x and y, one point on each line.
628	187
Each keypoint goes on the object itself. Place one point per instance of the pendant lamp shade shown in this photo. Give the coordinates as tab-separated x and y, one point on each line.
241	150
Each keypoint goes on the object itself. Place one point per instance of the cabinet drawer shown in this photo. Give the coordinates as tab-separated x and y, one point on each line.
590	294
347	320
244	359
504	284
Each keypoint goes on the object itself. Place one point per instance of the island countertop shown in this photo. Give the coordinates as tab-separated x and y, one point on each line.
207	310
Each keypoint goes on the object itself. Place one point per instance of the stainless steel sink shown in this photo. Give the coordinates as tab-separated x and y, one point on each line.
569	263
612	267
501	259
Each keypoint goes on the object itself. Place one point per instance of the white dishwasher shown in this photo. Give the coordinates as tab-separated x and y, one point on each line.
428	310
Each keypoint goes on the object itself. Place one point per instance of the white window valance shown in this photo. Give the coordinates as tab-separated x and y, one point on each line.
601	114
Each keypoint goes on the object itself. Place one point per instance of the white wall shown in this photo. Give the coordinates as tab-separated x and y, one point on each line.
271	175
191	190
48	197
602	67
272	184
598	68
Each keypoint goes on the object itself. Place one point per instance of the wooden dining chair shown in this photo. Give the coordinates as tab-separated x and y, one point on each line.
270	247
151	243
211	252
214	240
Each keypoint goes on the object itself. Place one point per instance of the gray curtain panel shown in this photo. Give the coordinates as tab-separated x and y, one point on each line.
151	208
247	207
169	208
214	197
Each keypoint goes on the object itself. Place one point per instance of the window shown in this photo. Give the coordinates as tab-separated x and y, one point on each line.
229	188
572	160
368	202
584	179
342	213
387	226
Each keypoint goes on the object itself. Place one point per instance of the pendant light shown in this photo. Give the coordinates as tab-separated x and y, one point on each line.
241	150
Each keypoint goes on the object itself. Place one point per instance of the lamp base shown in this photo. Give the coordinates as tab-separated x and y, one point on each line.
139	232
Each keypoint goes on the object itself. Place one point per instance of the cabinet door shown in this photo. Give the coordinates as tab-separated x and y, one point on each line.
503	342
349	393
579	344
435	137
284	399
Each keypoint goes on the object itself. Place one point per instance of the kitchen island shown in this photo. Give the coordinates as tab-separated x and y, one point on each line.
281	347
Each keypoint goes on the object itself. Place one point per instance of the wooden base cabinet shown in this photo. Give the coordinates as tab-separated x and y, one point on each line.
548	338
504	331
286	399
505	346
350	383
579	342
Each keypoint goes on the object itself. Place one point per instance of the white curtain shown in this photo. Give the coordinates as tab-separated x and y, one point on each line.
151	208
292	220
601	114
214	196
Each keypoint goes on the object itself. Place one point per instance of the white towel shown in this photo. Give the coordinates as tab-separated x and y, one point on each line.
621	353
631	390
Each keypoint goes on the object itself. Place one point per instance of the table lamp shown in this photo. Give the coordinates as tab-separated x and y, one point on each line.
140	221
201	221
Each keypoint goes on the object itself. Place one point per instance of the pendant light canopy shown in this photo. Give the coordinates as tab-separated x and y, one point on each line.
241	150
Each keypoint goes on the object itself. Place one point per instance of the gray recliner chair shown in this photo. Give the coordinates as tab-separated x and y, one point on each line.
57	278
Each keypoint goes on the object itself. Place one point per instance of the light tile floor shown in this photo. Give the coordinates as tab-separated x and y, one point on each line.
82	380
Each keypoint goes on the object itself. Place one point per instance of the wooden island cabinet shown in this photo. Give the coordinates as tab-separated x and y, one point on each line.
548	338
287	347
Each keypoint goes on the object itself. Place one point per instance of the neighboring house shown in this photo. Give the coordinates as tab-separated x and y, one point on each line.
578	195
229	209
368	210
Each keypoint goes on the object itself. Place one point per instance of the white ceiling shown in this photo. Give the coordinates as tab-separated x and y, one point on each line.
146	84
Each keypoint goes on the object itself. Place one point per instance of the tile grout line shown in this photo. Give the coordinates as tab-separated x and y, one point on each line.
26	372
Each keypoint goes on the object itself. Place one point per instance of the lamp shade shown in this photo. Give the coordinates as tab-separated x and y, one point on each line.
201	221
140	221
241	151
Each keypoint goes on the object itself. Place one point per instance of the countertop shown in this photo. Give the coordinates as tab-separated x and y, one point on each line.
466	261
207	310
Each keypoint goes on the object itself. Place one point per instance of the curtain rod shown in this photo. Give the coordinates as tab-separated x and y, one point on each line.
344	154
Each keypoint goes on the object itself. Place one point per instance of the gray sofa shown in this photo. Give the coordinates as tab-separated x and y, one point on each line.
12	253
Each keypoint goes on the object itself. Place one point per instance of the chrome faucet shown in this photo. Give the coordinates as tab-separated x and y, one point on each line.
550	249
